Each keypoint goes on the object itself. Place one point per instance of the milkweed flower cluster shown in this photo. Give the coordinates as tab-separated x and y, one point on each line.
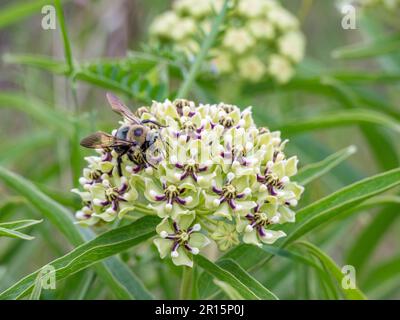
221	178
260	38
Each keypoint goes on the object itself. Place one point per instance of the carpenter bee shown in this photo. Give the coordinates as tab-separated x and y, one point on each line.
133	139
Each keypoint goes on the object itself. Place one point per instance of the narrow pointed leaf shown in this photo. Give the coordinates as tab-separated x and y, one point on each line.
378	47
316	170
323	210
19	224
9	233
253	284
225	276
89	253
338	119
353	294
119	278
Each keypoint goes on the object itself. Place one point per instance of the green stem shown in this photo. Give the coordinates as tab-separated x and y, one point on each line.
186	284
207	43
64	33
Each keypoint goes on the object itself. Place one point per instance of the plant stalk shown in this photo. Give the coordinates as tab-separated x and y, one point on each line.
186	284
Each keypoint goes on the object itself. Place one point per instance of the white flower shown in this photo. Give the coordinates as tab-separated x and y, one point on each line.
252	8
292	45
180	239
239	40
282	19
164	23
222	62
218	173
182	28
280	68
194	8
251	68
261	29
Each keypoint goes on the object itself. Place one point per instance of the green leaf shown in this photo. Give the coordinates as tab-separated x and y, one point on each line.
382	274
12	151
37	289
368	239
328	86
248	256
14	234
253	284
130	75
323	210
89	253
352	294
46	63
315	170
225	276
64	33
378	47
118	277
382	147
366	78
48	116
20	10
8	204
368	204
19	224
10	229
128	280
228	290
337	119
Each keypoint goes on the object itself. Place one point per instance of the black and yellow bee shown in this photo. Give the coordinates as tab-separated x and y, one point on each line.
133	139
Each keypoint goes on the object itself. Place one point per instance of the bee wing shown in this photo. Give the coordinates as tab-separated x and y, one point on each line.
102	140
119	107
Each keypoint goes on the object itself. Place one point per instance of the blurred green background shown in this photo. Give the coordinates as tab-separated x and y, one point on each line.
346	92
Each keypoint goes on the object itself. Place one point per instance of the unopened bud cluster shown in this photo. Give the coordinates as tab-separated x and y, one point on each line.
259	39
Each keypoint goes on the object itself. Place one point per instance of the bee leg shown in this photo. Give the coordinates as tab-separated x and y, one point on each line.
149	164
153	122
119	161
119	164
130	157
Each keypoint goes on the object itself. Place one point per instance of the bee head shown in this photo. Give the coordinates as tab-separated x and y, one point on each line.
137	133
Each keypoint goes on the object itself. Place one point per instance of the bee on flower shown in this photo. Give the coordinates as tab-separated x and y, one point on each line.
218	178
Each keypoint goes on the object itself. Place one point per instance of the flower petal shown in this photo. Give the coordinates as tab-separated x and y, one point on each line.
163	246
198	240
272	236
182	259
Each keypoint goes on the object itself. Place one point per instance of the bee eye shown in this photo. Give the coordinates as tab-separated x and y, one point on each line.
122	132
138	132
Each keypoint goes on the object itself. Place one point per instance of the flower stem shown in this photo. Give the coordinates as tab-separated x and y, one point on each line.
186	284
207	43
